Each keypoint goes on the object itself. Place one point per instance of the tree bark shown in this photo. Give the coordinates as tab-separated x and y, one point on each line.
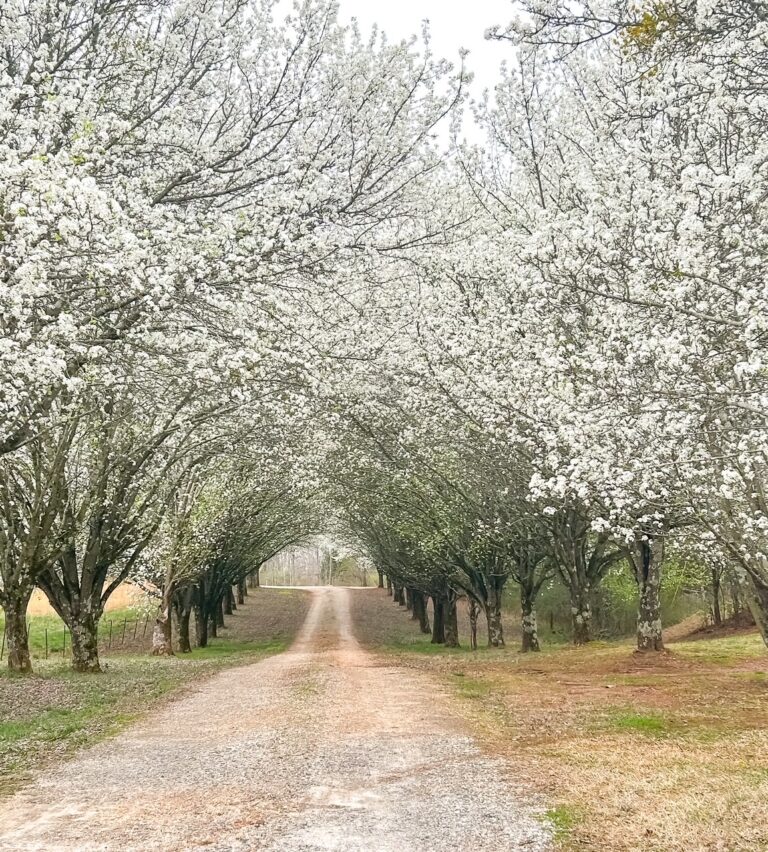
451	621
757	601
242	591
473	609
529	625
735	588
162	633
581	611
201	627
227	602
389	586
646	556
422	613
415	599
16	634
438	620
717	615
220	612
85	647
381	578
201	617
185	646
407	598
493	611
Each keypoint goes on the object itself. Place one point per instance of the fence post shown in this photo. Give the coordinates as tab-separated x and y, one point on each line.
110	636
135	627
122	638
2	649
64	643
146	622
46	643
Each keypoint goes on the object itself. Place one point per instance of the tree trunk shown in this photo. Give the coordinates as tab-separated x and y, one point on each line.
423	614
473	609
381	578
185	646
242	591
493	611
226	601
257	578
756	591
717	616
201	615
201	627
416	599
407	597
438	620
162	635
530	629
16	634
389	586
220	612
85	648
451	621
647	556
581	610
736	593
163	631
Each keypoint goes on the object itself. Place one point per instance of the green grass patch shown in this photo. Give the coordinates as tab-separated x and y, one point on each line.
422	644
645	723
48	631
218	648
562	819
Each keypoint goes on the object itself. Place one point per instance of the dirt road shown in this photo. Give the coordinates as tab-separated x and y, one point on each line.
318	748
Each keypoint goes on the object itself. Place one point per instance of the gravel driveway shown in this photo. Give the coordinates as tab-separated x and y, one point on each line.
319	748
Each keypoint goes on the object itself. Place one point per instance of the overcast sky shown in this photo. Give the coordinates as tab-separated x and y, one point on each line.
454	24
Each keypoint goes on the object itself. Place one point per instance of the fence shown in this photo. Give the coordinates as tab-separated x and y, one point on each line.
47	641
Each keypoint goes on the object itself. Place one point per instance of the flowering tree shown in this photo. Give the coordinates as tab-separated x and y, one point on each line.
176	178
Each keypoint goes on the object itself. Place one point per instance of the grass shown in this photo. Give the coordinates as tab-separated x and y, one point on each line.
644	723
730	650
469	687
562	820
421	644
51	628
660	752
50	715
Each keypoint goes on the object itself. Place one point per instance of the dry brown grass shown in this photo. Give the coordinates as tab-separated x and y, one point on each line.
635	752
126	595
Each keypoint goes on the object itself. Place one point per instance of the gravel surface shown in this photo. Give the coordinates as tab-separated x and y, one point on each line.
319	748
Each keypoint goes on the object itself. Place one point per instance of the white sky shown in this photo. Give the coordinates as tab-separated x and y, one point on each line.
453	23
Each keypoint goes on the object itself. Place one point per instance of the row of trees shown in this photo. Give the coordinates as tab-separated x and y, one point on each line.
183	186
575	377
238	275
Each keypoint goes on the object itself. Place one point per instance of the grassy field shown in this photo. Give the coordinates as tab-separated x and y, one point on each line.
632	752
47	717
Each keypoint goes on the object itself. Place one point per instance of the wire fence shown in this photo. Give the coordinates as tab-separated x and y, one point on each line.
48	641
